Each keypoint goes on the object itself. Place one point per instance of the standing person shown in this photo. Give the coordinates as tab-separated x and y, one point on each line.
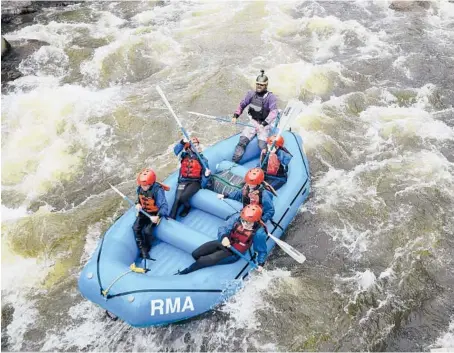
254	193
239	232
193	176
262	112
150	198
276	165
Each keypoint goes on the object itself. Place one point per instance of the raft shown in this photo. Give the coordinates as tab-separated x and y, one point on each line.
160	297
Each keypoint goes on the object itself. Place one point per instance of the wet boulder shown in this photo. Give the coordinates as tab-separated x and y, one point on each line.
407	6
5	46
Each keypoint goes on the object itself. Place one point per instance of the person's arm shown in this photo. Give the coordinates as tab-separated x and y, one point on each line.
268	206
224	230
205	179
235	195
284	157
161	202
259	243
272	106
178	147
243	104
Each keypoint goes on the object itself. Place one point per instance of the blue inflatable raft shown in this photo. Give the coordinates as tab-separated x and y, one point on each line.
159	297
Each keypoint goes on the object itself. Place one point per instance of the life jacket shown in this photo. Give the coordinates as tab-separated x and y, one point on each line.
273	165
241	238
257	109
190	167
146	199
252	197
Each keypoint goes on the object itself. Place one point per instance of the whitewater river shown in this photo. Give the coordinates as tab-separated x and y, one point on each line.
378	128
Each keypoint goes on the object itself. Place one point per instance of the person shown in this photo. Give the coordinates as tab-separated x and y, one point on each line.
276	165
192	177
240	233
262	112
254	192
151	199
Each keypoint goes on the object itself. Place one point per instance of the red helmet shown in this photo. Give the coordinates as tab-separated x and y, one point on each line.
251	213
279	141
254	176
146	177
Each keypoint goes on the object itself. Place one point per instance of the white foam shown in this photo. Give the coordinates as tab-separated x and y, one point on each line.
48	131
445	343
247	301
13	213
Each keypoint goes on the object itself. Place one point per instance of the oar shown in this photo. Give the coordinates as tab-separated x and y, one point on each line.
290	250
219	119
289	109
252	263
183	130
129	200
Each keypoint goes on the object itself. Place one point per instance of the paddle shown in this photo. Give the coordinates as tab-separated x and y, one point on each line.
219	119
183	130
290	250
129	200
143	212
289	112
252	263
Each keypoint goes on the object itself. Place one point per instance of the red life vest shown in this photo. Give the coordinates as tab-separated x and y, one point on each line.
252	197
241	238
273	164
147	201
191	168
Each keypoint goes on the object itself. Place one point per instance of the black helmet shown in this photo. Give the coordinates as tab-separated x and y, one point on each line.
262	78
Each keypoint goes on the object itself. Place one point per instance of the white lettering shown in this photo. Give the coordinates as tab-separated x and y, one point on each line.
172	305
188	304
176	305
157	304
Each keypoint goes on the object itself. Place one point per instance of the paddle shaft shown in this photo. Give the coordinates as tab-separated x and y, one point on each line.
129	200
183	130
286	112
219	119
235	251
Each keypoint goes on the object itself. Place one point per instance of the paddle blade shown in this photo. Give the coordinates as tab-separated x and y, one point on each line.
290	250
116	190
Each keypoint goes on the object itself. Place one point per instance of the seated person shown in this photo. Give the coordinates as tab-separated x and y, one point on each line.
254	192
193	175
150	198
276	165
240	232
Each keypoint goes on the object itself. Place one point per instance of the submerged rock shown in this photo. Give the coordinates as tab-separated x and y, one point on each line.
399	5
5	46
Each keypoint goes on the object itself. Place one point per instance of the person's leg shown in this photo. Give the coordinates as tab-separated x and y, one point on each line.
263	132
207	261
206	249
208	254
188	192
140	222
276	183
177	202
148	239
246	136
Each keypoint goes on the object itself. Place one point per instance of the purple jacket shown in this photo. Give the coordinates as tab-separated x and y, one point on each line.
269	103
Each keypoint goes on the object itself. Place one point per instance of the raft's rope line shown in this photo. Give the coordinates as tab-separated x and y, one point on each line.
165	291
106	291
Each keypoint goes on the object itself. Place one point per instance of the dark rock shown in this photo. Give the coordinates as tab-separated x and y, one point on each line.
404	6
11	60
12	9
5	46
